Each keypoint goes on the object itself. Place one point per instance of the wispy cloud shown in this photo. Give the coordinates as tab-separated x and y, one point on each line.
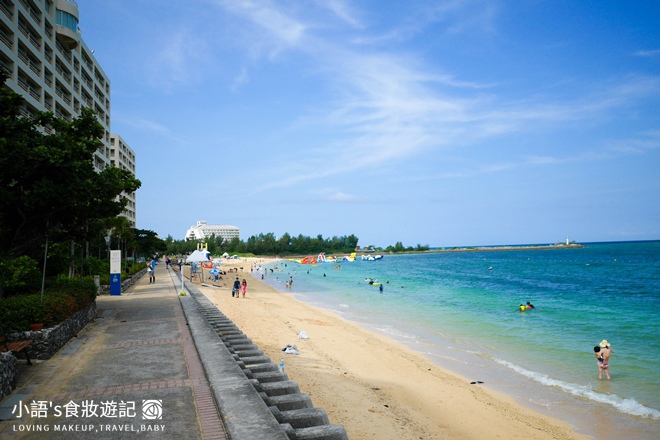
647	53
391	106
281	30
177	58
342	10
241	79
341	197
142	124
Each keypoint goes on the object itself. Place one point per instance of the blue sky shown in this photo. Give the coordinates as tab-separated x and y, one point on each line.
459	122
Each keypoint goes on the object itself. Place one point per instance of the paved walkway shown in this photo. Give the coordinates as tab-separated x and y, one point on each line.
133	371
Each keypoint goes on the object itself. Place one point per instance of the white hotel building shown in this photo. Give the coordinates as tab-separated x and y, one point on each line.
49	64
203	231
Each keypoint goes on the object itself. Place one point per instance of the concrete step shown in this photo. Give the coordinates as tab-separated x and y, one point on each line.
325	432
280	388
270	376
289	402
305	417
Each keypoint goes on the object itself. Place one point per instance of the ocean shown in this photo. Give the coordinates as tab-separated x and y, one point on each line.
461	310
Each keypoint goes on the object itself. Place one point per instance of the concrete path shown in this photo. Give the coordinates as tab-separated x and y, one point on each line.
133	371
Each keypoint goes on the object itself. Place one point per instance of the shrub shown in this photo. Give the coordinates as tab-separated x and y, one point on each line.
18	275
58	307
64	297
83	290
18	312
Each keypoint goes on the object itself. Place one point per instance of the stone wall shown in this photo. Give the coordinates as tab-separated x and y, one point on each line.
7	373
125	284
45	344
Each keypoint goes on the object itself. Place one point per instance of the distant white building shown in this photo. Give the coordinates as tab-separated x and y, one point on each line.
202	231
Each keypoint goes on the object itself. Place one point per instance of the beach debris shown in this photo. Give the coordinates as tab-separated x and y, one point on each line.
475	382
290	349
303	335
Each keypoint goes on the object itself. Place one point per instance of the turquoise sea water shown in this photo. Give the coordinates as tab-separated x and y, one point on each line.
461	310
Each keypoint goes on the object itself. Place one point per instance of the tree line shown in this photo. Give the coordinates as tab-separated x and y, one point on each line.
267	244
270	244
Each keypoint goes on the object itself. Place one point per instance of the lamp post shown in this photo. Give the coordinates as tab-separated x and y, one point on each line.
107	241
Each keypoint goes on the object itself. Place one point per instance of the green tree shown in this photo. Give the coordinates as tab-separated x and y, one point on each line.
48	185
148	243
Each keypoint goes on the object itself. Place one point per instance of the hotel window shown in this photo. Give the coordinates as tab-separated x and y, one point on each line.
67	20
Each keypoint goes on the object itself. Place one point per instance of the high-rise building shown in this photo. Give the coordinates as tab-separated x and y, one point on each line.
48	62
202	231
121	156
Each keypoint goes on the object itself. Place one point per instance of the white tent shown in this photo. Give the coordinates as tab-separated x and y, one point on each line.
198	257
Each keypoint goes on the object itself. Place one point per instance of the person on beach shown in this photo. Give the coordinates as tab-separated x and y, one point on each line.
236	289
243	287
605	352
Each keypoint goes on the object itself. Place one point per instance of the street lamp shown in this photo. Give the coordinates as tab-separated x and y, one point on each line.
107	241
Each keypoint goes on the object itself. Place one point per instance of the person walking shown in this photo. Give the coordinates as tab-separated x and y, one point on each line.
243	287
151	268
235	291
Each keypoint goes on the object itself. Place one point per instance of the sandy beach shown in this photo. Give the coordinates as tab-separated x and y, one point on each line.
373	386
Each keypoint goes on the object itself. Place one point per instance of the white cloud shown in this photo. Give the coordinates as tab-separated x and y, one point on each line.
341	197
342	10
390	106
647	53
176	58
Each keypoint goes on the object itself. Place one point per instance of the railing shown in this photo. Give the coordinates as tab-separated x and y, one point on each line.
35	94
35	16
7	67
23	29
5	39
63	51
35	42
6	10
35	67
24	57
24	85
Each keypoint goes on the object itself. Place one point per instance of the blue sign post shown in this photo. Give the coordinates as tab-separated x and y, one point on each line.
115	273
115	284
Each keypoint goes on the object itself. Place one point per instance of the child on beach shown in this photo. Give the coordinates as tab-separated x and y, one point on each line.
244	287
236	288
600	358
